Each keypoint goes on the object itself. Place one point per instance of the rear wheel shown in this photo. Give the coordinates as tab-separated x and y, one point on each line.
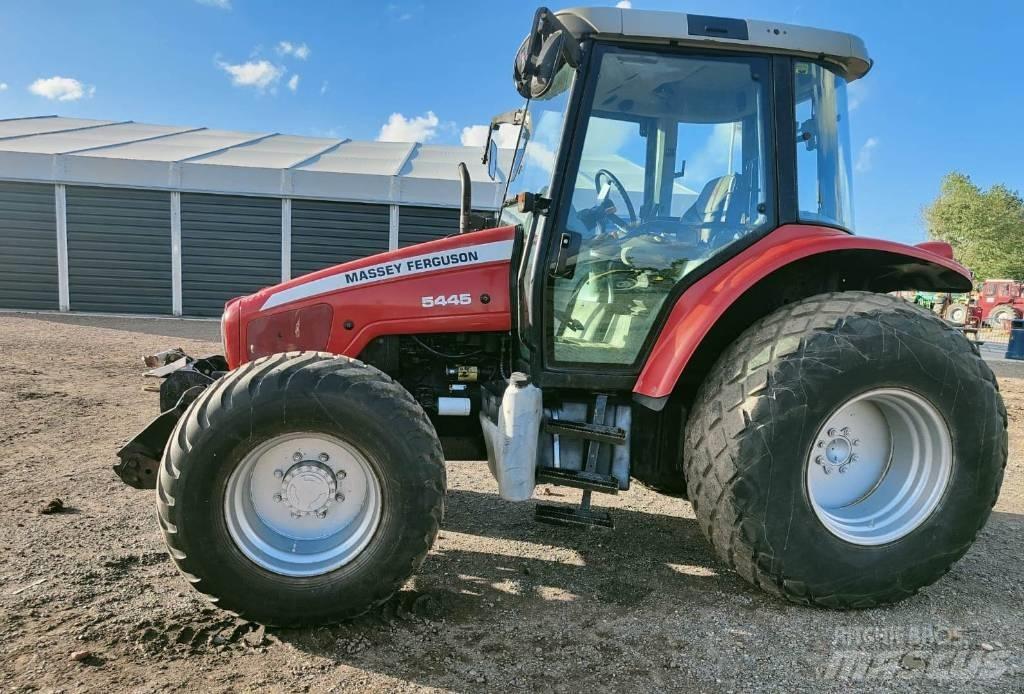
846	450
1001	316
302	488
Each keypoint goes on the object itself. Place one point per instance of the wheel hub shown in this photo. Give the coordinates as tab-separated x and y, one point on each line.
308	488
837	447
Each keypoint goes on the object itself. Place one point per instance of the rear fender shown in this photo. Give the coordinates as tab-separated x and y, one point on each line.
791	263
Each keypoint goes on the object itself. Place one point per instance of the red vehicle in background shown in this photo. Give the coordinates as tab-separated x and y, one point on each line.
1001	301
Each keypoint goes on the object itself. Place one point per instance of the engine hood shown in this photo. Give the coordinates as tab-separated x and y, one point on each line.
454	284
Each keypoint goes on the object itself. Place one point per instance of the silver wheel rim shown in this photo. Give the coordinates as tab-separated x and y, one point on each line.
958	315
302	504
879	466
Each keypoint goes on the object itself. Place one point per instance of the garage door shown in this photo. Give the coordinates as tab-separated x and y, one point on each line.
419	224
28	247
327	233
230	246
119	250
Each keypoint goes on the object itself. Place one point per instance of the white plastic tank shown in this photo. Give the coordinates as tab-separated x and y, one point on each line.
515	465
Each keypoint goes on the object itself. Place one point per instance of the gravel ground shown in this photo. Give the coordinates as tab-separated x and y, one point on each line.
90	601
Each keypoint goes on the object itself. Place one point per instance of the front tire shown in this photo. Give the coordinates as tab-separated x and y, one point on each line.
957	313
794	400
301	488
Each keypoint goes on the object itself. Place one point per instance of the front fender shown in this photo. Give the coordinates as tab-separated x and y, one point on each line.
878	265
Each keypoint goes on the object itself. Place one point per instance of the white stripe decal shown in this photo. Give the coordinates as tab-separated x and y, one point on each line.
399	267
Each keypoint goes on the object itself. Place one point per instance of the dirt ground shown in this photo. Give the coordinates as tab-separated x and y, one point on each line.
90	601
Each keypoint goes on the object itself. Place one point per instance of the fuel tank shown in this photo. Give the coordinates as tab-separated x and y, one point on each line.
455	284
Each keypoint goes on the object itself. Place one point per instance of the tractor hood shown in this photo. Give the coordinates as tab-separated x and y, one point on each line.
455	284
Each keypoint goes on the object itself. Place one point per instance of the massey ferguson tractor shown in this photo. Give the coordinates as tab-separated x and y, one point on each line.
672	294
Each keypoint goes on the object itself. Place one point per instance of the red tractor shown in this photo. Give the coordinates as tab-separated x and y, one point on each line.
1001	301
676	298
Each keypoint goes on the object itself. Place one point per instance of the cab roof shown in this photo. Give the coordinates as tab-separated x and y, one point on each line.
845	51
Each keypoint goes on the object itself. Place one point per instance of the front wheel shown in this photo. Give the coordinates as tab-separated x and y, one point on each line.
957	313
302	488
846	450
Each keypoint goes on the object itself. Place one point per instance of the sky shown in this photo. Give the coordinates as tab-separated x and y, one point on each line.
946	91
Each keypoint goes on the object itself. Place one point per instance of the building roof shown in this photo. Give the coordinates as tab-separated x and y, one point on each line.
81	151
845	50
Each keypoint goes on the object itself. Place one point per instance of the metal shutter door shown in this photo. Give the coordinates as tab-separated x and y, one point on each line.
419	224
28	246
230	246
119	250
327	233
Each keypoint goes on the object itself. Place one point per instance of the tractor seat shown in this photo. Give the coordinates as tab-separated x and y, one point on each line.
710	206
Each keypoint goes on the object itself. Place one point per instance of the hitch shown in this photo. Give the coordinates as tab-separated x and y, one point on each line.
184	378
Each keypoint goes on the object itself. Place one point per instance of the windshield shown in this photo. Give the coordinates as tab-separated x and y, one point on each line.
824	169
546	117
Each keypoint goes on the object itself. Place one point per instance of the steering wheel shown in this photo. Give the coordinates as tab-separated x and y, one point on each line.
602	196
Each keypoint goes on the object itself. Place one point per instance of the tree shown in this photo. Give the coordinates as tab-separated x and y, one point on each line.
984	227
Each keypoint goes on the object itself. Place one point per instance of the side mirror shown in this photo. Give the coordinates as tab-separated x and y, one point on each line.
492	159
542	54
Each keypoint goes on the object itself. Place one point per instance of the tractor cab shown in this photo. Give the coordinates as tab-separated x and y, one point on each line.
656	146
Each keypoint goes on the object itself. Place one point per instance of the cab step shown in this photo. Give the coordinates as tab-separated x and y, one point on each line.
573	517
580	479
602	433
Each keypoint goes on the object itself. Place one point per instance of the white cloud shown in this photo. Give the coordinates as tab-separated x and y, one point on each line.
415	129
865	155
323	88
3	86
624	5
61	88
219	4
476	136
261	74
299	50
293	83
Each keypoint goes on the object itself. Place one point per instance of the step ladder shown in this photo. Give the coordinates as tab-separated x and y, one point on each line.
596	433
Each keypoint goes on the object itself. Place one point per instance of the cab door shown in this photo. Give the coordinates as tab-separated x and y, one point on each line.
667	172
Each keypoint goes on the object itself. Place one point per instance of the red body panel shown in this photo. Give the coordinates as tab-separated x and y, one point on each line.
385	295
704	303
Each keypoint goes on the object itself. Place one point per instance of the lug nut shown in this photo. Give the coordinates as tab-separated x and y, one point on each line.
323	457
821	444
341	474
297	456
339	497
827	470
842	469
277	498
845	431
819	460
853	458
831	432
321	514
856	442
278	474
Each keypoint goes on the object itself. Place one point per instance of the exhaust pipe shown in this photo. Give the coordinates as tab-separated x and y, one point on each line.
466	204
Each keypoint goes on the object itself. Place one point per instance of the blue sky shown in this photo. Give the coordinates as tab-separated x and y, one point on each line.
946	92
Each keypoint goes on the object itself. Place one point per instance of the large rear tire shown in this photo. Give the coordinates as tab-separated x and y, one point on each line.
302	488
846	450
